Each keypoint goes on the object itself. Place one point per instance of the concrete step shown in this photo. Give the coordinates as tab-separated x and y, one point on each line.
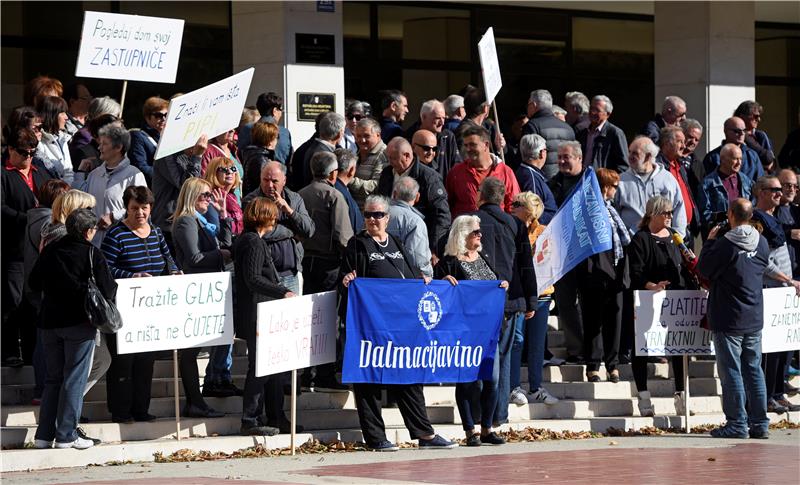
577	373
703	386
143	451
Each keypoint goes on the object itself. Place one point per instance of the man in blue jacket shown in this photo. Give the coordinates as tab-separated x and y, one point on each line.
735	264
722	185
735	133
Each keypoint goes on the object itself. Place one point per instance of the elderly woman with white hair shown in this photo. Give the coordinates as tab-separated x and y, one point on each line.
464	259
108	182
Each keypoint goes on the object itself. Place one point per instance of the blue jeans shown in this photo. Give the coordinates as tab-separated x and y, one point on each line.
504	345
744	394
69	357
218	370
534	331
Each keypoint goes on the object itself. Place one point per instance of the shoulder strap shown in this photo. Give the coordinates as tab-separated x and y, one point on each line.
91	263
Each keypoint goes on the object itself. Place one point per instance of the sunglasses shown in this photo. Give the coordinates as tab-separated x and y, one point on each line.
206	195
374	215
160	116
476	233
428	148
355	117
789	185
774	190
737	131
667	213
25	153
227	170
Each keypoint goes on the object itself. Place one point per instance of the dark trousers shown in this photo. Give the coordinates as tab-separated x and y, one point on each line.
190	377
469	392
774	364
128	382
569	313
13	321
320	275
601	331
628	332
409	399
639	366
261	393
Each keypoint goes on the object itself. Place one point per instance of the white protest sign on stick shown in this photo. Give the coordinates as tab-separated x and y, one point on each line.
129	47
174	312
211	110
668	323
295	333
490	66
781	320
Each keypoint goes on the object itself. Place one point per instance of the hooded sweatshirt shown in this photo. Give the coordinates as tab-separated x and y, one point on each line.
735	265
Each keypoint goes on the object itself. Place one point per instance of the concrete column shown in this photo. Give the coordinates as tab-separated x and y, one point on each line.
264	38
705	53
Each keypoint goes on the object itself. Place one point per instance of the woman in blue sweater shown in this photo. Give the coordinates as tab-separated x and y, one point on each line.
134	248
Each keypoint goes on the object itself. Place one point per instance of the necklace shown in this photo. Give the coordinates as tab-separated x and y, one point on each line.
385	243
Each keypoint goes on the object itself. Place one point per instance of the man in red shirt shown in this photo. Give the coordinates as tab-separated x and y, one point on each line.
672	142
464	179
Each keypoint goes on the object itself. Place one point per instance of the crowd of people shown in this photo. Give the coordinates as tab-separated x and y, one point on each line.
452	196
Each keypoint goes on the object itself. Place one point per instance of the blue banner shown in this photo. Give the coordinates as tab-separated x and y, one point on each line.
580	228
407	332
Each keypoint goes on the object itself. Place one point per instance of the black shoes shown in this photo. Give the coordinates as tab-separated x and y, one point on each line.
225	389
192	411
474	440
492	439
122	419
145	418
258	430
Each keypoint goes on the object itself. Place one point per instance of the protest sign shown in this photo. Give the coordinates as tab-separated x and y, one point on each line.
404	331
174	312
490	66
211	111
781	320
579	229
668	323
129	47
295	333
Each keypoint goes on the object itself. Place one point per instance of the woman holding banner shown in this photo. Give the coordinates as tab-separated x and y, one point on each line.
374	253
656	264
256	280
134	248
464	260
601	280
197	250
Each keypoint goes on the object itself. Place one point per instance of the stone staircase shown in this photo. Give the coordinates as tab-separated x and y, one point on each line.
583	406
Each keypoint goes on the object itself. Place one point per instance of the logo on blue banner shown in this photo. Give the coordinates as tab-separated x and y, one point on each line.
407	332
580	228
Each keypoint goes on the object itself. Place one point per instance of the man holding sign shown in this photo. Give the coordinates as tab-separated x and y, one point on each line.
735	264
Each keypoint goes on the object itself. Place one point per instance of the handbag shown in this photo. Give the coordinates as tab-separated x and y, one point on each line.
103	314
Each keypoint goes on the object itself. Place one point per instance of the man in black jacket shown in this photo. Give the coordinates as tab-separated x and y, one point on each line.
673	111
432	118
735	264
603	143
543	122
331	130
432	197
505	242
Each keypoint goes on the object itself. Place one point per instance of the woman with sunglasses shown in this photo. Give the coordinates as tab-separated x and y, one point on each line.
197	250
464	259
353	114
223	176
53	150
145	140
224	146
656	264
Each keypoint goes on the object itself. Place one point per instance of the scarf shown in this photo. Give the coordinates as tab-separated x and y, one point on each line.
620	237
210	228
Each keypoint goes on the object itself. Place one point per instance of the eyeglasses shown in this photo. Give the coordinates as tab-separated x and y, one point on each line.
160	116
206	195
25	153
227	169
774	190
428	148
279	107
355	117
666	213
374	215
737	131
789	185
476	233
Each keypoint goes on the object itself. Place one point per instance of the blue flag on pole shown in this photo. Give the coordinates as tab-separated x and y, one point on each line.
579	229
407	332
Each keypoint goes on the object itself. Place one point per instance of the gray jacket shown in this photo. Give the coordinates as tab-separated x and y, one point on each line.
298	225
331	217
407	224
633	193
368	172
